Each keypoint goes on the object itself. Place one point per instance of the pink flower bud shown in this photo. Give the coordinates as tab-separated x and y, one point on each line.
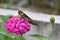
17	25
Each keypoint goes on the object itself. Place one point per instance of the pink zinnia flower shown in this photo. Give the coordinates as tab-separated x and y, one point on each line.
17	25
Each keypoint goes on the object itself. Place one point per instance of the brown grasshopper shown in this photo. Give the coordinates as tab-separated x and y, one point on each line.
22	14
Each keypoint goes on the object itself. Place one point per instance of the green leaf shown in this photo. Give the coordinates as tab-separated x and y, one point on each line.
1	37
1	20
5	18
40	37
2	33
6	36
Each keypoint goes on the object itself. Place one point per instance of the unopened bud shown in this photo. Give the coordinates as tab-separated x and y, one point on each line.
52	19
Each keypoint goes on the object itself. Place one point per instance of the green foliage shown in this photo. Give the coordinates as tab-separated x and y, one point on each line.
3	33
40	37
57	4
3	1
53	5
40	3
5	4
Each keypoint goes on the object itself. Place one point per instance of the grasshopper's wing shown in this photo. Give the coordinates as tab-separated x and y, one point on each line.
30	20
27	17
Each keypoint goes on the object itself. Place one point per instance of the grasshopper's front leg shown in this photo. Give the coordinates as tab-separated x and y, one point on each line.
22	14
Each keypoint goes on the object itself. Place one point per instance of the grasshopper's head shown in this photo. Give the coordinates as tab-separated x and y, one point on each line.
20	13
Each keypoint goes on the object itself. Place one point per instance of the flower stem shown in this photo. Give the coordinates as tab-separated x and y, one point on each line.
52	31
21	37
